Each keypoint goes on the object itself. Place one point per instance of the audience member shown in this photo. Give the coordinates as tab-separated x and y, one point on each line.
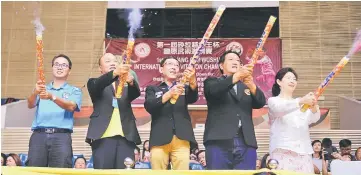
201	156
345	153
138	164
258	164
264	161
317	156
193	155
325	164
80	163
345	150
200	161
13	160
146	152
358	154
3	159
327	144
137	154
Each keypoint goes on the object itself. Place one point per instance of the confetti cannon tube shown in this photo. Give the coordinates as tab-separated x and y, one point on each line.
263	39
40	58
356	47
328	80
125	60
201	45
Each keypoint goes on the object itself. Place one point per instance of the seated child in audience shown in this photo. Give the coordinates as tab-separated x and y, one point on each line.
201	155
200	162
80	163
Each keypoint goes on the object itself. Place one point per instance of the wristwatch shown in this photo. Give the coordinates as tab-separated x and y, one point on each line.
53	98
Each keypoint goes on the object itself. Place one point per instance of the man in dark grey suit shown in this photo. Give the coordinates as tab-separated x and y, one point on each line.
112	131
229	135
171	135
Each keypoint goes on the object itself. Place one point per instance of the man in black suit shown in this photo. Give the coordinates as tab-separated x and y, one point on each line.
112	131
171	134
229	135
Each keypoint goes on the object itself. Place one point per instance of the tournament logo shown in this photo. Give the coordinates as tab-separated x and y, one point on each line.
235	46
142	50
65	95
247	92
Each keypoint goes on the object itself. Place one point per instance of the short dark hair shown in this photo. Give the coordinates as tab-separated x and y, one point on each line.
165	59
199	152
326	143
193	151
280	74
317	141
138	149
64	56
223	58
80	157
4	157
264	161
344	143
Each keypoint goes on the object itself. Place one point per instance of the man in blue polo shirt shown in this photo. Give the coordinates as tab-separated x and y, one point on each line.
50	143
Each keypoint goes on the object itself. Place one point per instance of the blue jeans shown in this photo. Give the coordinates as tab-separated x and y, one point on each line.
50	150
230	154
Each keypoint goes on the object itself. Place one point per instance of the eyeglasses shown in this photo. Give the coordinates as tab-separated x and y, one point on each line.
61	65
290	78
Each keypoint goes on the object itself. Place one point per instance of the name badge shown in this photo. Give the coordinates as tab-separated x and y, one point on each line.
247	91
158	94
115	103
65	95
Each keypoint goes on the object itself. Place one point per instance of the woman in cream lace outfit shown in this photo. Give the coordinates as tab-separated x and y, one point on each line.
290	142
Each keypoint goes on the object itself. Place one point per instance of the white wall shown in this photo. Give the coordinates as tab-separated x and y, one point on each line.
17	114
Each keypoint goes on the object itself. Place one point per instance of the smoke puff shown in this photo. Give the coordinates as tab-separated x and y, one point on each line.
39	28
134	21
356	46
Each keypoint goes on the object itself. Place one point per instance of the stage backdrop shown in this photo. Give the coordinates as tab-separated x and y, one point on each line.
149	52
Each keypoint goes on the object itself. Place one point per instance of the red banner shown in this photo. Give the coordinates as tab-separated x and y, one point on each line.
149	52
